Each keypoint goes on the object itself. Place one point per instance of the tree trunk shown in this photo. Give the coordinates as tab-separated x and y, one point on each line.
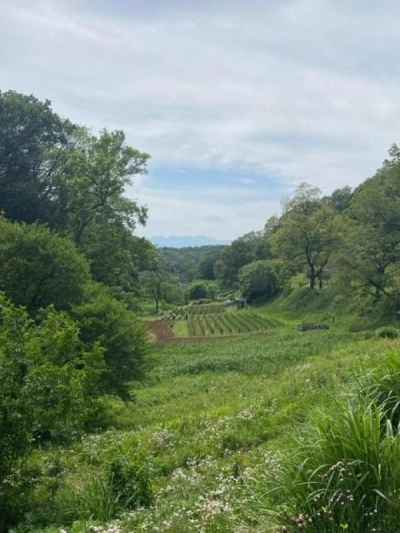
313	277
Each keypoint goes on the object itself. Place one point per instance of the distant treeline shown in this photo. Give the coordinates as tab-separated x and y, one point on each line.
192	262
349	240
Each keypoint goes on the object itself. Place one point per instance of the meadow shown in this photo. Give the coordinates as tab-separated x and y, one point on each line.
209	432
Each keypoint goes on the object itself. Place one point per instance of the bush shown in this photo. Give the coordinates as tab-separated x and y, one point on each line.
40	268
49	386
108	321
258	280
298	281
346	474
387	332
198	291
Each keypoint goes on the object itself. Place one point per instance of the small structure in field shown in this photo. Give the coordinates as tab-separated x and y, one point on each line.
311	327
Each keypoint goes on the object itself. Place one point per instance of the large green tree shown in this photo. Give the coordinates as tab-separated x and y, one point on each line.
307	234
117	256
99	216
244	250
33	140
259	280
370	256
97	173
54	172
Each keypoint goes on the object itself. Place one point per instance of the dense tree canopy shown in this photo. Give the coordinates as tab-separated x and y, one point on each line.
242	251
54	172
33	140
64	220
40	268
258	280
198	291
371	250
192	262
96	173
307	235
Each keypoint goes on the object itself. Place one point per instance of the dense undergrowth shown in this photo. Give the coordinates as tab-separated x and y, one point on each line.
287	429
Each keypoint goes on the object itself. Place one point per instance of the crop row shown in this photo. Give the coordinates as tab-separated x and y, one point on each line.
230	323
196	310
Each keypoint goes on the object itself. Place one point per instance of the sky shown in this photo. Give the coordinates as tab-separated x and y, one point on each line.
237	101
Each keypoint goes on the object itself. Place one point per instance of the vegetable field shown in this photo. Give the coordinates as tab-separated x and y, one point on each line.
194	310
228	323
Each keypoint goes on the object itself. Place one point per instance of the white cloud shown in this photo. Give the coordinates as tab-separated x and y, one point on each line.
299	89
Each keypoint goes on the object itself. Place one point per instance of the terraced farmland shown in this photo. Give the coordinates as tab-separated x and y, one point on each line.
229	323
192	310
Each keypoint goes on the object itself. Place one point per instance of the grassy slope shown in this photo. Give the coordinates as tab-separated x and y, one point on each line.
213	419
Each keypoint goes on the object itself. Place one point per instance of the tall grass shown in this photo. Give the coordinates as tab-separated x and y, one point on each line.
382	385
121	486
346	474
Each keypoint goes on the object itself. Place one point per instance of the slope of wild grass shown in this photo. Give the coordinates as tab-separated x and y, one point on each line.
208	433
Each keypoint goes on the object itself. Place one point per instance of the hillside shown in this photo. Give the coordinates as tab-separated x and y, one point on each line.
212	425
186	262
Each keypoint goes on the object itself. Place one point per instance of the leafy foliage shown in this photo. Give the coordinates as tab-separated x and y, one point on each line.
371	250
387	332
32	140
307	234
50	387
192	262
258	280
242	251
57	173
96	174
105	320
40	268
198	291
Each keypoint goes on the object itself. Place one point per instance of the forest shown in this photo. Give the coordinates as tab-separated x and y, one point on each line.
250	387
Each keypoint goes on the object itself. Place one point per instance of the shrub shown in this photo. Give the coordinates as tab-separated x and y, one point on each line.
298	281
387	332
40	268
49	386
346	474
258	280
198	291
108	321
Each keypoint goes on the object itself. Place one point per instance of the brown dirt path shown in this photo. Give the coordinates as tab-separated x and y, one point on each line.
162	330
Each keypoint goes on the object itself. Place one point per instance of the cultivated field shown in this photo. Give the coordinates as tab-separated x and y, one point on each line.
228	323
213	320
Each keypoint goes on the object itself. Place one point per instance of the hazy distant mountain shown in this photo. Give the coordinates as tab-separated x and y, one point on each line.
174	241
